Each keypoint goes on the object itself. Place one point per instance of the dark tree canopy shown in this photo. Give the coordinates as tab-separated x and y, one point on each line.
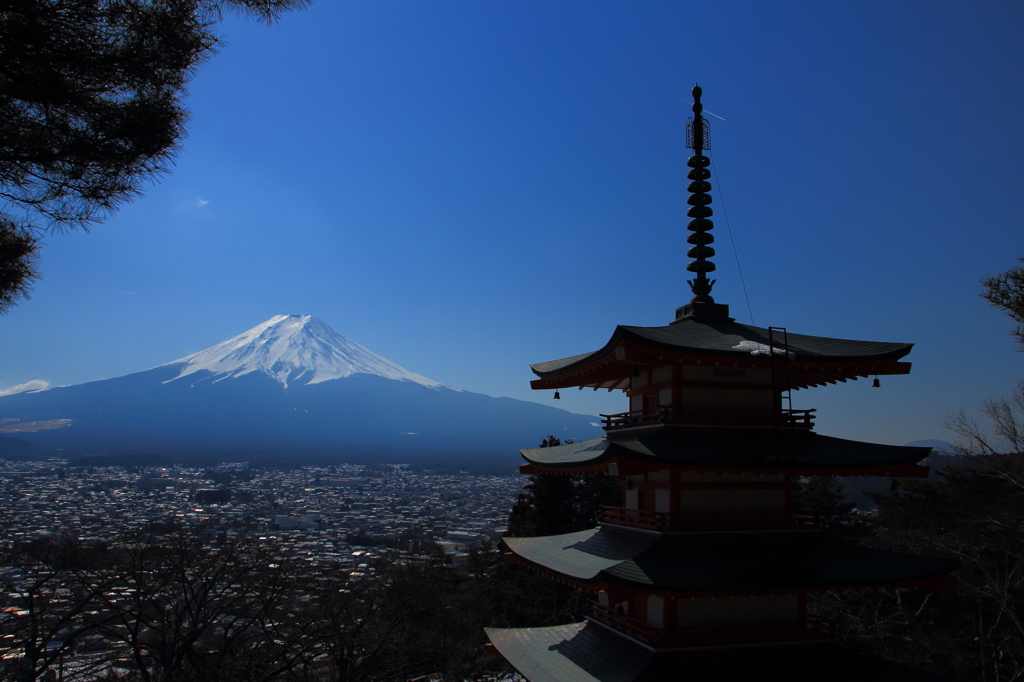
1006	292
973	511
91	107
553	504
1005	431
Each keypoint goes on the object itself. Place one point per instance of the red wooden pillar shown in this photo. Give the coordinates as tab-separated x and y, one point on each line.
677	390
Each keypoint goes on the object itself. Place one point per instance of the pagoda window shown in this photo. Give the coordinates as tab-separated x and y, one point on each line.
638	607
727	479
727	397
665	396
636	403
703	611
733	500
662	500
632	499
655	610
746	375
660	476
661	375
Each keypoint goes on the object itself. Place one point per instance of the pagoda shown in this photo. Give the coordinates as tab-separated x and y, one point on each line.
705	569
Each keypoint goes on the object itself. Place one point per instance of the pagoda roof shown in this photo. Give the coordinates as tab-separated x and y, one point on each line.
724	339
729	563
740	449
585	652
732	339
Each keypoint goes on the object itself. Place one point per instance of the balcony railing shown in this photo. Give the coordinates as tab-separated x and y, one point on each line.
755	634
710	416
660	522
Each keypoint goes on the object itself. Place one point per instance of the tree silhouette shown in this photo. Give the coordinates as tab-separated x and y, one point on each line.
553	504
91	107
1005	291
972	511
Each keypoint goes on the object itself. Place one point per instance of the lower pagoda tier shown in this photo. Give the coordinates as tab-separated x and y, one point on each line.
802	452
589	652
741	563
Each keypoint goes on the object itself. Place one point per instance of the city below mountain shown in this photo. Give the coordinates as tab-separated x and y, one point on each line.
290	387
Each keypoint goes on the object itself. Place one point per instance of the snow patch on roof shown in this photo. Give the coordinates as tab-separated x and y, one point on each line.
294	349
756	348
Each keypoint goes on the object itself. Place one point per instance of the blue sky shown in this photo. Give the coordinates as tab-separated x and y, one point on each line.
469	187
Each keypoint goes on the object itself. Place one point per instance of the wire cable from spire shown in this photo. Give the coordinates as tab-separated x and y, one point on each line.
728	228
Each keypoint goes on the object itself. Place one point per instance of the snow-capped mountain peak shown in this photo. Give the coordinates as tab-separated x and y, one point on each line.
294	349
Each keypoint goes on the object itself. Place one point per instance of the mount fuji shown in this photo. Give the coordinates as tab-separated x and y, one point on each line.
294	350
290	387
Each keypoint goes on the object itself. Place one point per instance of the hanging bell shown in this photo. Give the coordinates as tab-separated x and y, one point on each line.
876	383
558	397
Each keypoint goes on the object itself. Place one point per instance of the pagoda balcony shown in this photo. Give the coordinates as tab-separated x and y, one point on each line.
710	416
697	522
812	630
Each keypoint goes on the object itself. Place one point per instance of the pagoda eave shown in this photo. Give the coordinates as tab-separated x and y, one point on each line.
586	652
632	468
595	585
719	564
606	372
739	451
620	591
818	360
623	590
533	469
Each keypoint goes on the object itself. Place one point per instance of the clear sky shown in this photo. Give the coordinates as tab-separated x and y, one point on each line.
469	187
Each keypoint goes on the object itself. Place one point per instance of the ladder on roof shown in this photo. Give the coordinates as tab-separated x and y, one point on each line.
782	387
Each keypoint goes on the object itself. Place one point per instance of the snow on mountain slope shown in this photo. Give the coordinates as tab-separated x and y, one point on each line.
294	349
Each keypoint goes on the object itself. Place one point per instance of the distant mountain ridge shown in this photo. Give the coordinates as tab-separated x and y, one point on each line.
291	385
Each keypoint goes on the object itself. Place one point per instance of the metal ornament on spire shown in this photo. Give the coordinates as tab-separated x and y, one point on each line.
698	138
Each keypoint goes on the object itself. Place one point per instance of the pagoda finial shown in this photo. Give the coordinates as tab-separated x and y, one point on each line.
698	138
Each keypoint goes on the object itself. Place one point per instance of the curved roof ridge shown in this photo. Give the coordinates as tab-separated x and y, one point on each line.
728	338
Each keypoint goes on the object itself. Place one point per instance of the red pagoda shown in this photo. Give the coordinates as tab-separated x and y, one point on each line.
704	571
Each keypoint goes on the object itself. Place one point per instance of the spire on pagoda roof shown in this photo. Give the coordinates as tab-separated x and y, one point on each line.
698	138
